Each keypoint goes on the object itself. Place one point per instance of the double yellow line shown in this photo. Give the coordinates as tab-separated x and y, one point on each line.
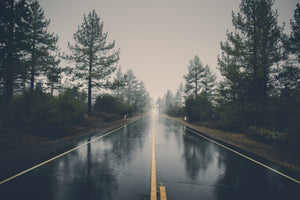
163	195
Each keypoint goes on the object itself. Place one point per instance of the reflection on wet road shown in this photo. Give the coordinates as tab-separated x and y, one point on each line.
194	168
118	166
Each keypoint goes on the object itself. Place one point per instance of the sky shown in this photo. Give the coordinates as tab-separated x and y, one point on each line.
157	38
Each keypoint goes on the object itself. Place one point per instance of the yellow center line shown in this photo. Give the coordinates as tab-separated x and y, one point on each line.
60	155
153	169
163	194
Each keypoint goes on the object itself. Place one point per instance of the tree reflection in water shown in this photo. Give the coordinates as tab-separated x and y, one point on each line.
92	171
243	179
196	156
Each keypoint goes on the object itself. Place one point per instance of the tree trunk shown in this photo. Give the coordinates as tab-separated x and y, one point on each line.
32	79
196	84
9	80
52	86
10	64
90	92
32	67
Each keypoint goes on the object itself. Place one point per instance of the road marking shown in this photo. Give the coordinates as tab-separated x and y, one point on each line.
163	194
153	169
259	163
60	155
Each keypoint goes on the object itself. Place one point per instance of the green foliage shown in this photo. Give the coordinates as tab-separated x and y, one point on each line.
199	108
26	47
75	94
247	64
251	51
42	114
41	44
133	91
295	35
199	78
93	56
229	117
176	111
70	107
111	106
13	15
28	51
108	116
172	105
131	85
267	135
53	74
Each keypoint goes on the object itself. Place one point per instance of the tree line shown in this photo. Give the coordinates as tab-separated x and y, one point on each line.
31	71
259	93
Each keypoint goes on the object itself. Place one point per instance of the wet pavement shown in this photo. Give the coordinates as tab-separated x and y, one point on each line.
118	166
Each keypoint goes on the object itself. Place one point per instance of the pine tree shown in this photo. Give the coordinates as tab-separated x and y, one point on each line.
140	97
194	76
295	34
119	83
159	104
247	61
13	13
93	56
199	78
289	75
53	75
208	81
179	96
251	51
168	102
41	44
130	86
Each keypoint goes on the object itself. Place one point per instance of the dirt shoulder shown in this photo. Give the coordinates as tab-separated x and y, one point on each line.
12	141
268	152
20	150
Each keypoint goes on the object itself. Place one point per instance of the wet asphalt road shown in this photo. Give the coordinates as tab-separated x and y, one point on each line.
118	166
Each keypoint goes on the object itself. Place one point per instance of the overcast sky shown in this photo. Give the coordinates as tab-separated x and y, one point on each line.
157	38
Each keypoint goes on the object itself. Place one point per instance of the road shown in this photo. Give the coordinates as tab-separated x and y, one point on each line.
153	151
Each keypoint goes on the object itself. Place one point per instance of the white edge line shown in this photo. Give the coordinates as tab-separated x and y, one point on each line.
278	172
60	155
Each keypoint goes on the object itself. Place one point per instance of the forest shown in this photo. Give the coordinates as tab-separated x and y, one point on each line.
34	94
259	93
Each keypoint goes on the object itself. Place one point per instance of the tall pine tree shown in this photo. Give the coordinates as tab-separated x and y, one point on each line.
289	76
199	78
41	43
93	56
295	35
131	85
247	59
251	51
54	76
13	13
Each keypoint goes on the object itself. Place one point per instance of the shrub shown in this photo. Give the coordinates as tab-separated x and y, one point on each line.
199	109
230	118
42	114
112	105
108	116
267	135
